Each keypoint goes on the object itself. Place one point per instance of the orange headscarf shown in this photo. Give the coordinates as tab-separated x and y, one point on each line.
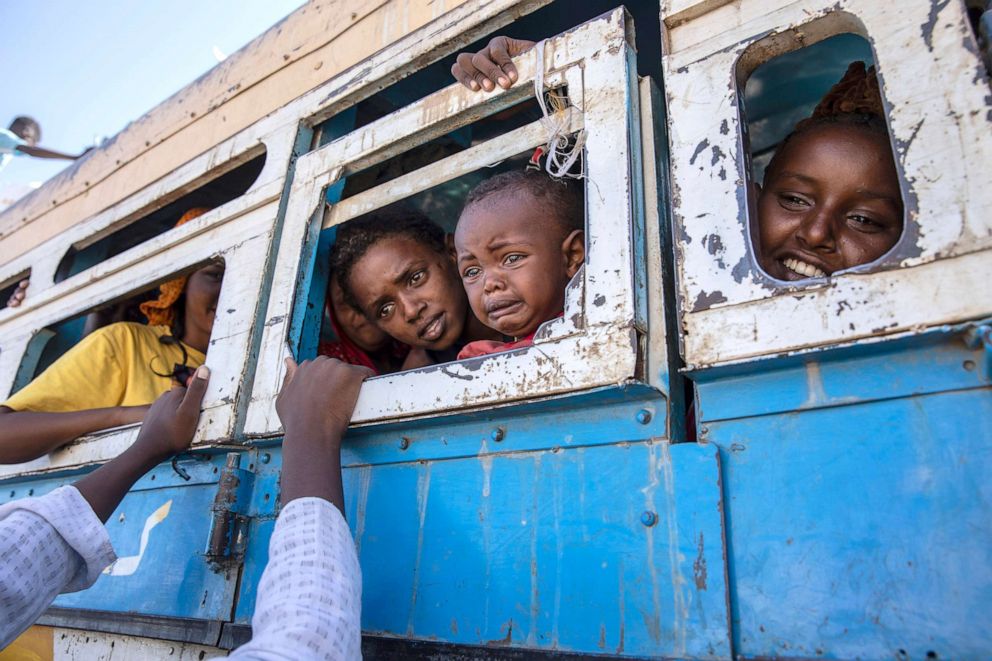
160	311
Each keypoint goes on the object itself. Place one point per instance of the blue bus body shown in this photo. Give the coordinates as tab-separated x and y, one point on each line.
834	502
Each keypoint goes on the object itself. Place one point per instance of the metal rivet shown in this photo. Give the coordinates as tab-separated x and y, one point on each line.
644	416
404	443
266	458
649	518
498	434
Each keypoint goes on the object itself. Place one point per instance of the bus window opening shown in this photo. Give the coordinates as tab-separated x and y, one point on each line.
829	197
110	377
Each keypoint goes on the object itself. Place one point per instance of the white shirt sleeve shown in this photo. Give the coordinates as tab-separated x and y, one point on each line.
309	601
48	545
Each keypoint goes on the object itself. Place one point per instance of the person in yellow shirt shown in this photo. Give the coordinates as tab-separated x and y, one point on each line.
112	376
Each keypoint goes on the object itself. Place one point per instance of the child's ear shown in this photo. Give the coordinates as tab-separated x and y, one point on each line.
573	251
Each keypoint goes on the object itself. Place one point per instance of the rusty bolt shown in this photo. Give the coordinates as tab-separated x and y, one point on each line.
644	416
266	458
404	443
649	518
498	434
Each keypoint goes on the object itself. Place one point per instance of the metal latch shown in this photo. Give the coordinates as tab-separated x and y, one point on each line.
229	515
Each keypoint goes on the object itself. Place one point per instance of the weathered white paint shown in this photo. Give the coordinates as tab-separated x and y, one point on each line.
242	241
938	99
593	59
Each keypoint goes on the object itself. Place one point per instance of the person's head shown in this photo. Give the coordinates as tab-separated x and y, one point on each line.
350	321
27	129
519	241
397	268
188	304
831	199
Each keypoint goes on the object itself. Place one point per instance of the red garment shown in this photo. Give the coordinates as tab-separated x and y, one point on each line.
347	351
486	347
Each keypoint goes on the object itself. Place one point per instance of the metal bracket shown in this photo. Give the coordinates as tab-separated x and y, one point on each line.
229	515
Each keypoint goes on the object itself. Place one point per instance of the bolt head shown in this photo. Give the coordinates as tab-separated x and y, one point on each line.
644	416
497	434
649	518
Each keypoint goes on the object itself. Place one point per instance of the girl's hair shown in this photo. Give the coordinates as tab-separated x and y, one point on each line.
356	237
854	101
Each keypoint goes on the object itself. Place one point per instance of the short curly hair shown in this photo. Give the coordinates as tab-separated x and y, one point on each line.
356	237
563	196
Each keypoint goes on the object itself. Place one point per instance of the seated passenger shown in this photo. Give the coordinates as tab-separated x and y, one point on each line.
399	270
519	241
360	342
830	198
111	377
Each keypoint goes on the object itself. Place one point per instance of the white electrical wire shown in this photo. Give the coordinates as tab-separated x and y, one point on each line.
562	153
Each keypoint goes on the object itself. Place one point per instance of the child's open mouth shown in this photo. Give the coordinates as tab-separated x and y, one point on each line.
803	269
501	308
433	329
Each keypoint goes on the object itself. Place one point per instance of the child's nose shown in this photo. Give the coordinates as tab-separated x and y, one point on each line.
494	281
413	308
817	230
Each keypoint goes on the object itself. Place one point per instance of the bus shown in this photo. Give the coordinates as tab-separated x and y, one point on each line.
697	460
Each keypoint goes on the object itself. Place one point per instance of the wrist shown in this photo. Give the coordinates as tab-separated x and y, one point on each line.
324	434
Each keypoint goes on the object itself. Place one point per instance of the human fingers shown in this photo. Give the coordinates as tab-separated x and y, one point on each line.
291	368
193	397
464	71
488	72
502	50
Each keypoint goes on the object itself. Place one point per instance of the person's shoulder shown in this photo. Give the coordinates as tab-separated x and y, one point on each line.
132	331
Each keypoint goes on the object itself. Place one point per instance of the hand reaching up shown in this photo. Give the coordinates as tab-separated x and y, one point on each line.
318	397
492	65
168	426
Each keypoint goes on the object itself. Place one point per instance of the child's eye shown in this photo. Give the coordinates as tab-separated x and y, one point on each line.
864	223
385	310
418	277
790	201
513	258
471	272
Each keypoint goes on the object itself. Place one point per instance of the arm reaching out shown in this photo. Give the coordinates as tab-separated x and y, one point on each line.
309	601
57	543
167	430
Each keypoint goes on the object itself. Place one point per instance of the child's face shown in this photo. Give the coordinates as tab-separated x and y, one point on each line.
830	201
515	262
353	323
202	291
411	292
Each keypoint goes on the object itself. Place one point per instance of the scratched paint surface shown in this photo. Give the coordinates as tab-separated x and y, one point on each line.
532	543
857	502
167	575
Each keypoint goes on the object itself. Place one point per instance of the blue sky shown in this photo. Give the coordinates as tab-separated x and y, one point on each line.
85	69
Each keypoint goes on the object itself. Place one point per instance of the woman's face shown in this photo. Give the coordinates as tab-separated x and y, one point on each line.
202	291
830	201
411	292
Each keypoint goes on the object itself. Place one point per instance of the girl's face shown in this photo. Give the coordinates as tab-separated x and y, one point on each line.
354	324
202	291
830	201
411	292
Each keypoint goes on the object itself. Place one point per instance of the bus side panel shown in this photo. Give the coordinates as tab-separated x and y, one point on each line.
159	532
614	549
858	524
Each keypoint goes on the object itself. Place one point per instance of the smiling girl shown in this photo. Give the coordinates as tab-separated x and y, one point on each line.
830	199
111	377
